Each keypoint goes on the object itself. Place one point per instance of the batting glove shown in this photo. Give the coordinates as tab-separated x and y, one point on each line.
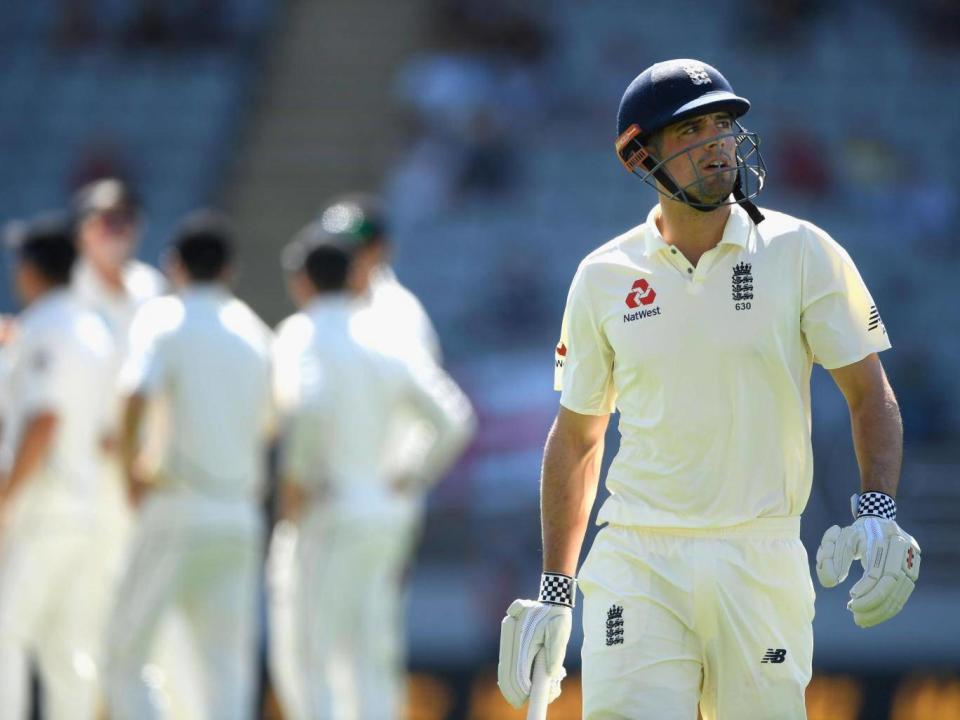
531	627
889	556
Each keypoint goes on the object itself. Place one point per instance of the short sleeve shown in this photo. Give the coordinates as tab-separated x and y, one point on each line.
304	421
147	365
839	320
45	375
584	359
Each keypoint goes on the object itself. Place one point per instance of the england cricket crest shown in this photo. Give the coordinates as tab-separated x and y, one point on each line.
697	74
615	625
742	286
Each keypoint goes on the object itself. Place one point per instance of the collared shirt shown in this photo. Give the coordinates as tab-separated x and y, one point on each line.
340	392
208	356
395	320
60	361
141	283
401	316
710	365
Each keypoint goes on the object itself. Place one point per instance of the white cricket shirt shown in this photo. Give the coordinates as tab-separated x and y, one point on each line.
710	366
61	361
141	283
208	355
340	393
401	317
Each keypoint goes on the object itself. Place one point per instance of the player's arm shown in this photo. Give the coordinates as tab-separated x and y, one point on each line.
134	411
876	423
31	452
568	488
441	402
890	556
44	387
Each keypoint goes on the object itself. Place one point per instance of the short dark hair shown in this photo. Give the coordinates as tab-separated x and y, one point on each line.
46	244
324	258
204	244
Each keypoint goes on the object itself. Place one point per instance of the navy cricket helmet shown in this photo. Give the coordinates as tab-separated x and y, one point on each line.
671	91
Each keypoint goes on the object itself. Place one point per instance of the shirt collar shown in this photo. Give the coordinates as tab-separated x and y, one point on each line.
735	232
49	302
330	302
200	291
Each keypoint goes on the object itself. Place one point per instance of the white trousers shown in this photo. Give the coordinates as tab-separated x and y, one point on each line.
173	661
48	613
717	618
345	661
205	564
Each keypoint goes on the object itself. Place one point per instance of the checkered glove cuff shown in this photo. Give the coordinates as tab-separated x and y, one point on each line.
877	504
557	589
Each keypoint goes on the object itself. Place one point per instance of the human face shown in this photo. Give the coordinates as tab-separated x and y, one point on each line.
29	283
108	239
705	166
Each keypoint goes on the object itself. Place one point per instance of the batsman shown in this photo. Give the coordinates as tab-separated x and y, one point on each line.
701	326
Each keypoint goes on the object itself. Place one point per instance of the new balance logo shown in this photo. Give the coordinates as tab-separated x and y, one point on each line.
615	625
774	655
874	321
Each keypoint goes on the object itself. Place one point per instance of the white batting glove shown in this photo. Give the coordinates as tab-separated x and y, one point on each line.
531	627
889	556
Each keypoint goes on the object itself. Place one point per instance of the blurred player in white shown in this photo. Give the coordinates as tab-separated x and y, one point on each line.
197	544
393	317
107	277
109	280
59	371
701	325
358	221
339	393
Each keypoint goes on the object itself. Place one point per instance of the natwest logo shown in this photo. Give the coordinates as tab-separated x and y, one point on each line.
640	294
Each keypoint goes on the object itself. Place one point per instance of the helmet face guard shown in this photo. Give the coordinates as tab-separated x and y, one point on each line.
748	174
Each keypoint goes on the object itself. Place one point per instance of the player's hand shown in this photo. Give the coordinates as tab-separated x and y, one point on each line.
530	627
890	559
138	483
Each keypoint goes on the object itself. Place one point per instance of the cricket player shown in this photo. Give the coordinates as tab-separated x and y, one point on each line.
59	369
109	280
199	532
394	318
339	392
359	222
701	326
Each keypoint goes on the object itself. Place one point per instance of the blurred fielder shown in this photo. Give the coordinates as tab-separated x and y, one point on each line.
109	280
199	530
701	326
396	319
59	369
340	393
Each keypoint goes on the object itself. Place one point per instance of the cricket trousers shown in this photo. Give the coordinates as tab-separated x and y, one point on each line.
47	617
348	614
173	666
676	619
200	557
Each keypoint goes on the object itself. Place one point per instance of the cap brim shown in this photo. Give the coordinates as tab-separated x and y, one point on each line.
712	102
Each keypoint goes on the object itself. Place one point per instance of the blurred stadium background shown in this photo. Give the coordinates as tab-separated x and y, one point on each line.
488	126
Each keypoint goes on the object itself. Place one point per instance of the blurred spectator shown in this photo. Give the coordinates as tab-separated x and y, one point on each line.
939	21
800	163
466	100
162	23
775	24
76	25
